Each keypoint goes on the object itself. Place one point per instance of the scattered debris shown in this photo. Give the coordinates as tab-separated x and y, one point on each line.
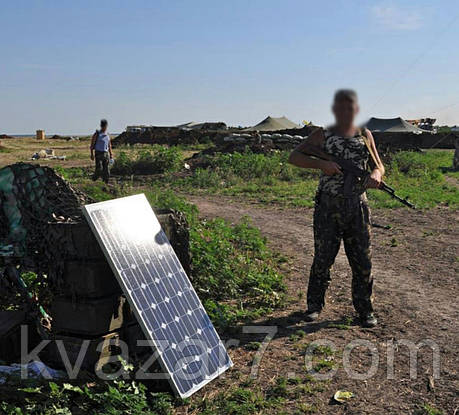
35	370
431	383
60	137
47	154
342	396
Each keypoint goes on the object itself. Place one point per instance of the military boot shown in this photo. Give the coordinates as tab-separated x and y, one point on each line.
312	315
368	320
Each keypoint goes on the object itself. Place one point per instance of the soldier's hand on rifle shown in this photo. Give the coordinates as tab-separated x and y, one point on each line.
375	179
330	168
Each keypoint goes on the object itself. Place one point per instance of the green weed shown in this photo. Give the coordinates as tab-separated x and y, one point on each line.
280	389
305	408
252	346
344	325
428	410
323	364
115	398
323	350
236	402
234	272
301	333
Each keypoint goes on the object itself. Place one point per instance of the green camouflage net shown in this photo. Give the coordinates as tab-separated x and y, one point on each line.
33	198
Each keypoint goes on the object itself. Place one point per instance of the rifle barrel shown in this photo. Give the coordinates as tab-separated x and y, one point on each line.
389	190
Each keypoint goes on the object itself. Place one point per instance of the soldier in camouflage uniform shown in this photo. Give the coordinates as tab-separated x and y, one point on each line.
342	214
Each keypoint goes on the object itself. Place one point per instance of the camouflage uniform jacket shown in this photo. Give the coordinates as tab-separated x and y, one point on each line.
349	148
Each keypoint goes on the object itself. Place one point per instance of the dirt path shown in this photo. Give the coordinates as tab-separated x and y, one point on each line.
415	271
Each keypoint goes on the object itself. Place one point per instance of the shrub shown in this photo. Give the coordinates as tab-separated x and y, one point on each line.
158	159
234	272
123	165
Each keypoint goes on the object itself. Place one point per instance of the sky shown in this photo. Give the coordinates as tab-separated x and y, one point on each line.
65	64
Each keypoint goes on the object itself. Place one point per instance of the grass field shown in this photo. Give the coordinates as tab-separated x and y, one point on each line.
426	178
420	176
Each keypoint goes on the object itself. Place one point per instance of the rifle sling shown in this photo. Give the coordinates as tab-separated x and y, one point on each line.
370	149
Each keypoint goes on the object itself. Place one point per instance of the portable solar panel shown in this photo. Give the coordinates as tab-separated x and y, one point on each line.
159	292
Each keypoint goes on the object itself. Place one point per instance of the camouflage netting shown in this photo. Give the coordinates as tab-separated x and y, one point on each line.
31	198
165	135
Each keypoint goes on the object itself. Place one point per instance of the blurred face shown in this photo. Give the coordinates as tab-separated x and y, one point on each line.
345	112
103	126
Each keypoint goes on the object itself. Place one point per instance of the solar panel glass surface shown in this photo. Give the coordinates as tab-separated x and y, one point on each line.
159	291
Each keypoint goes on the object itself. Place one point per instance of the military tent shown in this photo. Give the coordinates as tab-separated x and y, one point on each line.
203	126
274	124
392	125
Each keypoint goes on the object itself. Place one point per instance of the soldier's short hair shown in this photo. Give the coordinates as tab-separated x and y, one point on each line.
345	94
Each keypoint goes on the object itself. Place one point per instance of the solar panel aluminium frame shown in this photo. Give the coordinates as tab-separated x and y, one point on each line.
87	210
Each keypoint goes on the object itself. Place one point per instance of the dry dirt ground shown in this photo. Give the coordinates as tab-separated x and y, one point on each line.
415	270
13	150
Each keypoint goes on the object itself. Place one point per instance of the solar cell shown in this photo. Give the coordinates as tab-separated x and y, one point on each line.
159	291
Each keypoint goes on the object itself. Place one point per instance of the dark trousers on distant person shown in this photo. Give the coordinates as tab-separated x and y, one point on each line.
102	166
337	218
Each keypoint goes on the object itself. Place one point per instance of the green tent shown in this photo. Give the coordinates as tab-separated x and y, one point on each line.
392	125
274	124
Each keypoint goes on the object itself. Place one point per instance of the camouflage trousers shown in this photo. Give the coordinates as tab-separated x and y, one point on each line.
102	166
336	219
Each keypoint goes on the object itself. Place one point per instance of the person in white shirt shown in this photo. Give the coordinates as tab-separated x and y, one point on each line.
101	152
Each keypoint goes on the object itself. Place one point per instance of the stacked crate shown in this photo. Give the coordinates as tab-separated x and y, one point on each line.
89	309
10	334
41	135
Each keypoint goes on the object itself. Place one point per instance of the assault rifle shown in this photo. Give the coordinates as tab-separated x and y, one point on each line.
352	173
